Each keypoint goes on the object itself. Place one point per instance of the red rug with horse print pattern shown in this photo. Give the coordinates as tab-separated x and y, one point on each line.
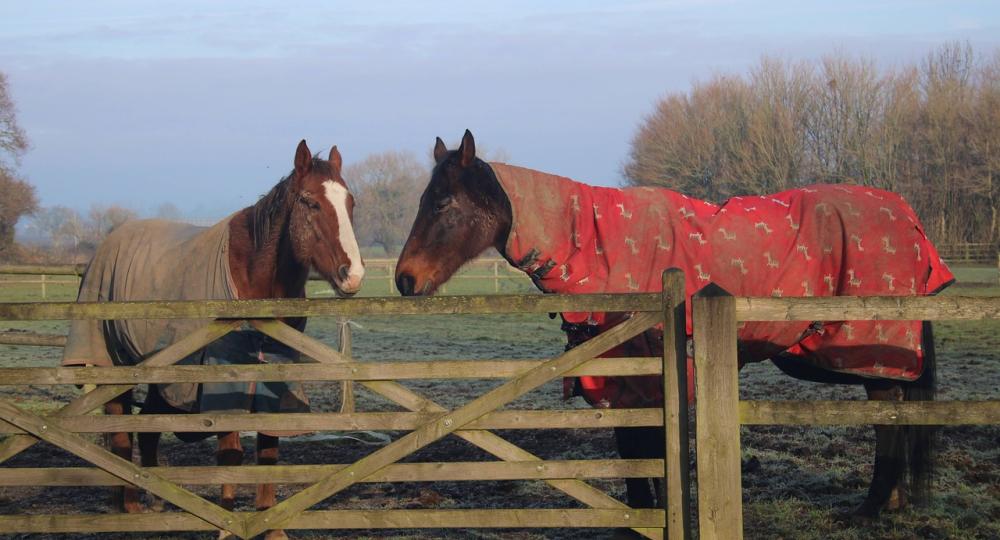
821	240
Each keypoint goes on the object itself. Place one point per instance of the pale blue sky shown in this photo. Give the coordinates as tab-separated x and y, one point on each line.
202	103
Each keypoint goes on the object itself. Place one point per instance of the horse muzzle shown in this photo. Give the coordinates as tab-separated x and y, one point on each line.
351	284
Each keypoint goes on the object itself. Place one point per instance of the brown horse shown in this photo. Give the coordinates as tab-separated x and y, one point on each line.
574	238
263	251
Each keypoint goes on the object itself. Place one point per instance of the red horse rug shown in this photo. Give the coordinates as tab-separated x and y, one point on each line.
822	240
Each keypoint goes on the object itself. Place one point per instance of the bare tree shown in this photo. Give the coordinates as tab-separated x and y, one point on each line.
168	210
17	196
13	142
104	219
61	226
930	132
387	189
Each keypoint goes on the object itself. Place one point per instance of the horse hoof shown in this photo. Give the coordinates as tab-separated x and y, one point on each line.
135	508
897	500
751	465
156	505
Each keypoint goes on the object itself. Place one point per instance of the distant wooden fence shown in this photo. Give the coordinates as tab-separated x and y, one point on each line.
720	413
969	253
492	270
427	421
42	273
488	269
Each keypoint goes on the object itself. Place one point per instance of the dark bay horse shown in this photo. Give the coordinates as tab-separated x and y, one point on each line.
813	241
263	251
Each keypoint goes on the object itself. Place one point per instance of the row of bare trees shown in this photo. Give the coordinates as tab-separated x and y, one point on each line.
68	234
929	131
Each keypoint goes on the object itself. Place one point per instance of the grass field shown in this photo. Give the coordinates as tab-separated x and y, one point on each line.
807	477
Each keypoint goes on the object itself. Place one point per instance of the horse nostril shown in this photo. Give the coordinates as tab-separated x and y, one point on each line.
343	271
405	284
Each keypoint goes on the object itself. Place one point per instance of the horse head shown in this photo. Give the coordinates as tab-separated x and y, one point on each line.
321	225
463	211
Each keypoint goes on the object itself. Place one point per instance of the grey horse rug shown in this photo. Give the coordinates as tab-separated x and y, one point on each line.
150	260
822	240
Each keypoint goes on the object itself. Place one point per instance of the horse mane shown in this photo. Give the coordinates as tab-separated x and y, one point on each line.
274	206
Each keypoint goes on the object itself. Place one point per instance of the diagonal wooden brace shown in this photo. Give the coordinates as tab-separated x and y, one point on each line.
176	352
50	431
447	423
486	440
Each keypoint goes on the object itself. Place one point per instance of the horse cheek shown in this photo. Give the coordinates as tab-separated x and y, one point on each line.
302	237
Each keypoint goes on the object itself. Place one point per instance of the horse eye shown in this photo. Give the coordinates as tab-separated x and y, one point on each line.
311	203
443	204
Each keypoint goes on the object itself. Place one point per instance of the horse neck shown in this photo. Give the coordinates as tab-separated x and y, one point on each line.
540	230
266	268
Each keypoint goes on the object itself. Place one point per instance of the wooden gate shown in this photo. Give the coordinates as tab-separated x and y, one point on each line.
427	421
720	412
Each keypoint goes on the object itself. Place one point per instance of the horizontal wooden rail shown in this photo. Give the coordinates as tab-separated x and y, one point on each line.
391	421
306	474
836	308
245	309
44	269
347	519
825	413
32	338
856	308
355	371
38	282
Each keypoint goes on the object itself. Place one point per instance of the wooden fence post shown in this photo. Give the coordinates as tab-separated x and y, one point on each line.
720	502
496	276
390	275
677	486
43	285
346	387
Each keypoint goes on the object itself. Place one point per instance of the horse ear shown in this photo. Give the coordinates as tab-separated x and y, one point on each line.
303	159
335	160
468	149
440	151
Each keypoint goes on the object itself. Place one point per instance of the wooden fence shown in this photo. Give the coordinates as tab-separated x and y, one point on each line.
969	253
381	272
486	269
380	277
40	275
426	420
719	411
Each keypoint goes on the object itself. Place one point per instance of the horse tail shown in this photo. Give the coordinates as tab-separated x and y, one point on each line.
921	439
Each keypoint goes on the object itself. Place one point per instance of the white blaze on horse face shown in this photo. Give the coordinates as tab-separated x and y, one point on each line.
337	195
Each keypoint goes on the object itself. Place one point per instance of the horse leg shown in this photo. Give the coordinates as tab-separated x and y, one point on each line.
126	498
902	450
149	442
886	489
149	457
632	441
267	454
230	453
